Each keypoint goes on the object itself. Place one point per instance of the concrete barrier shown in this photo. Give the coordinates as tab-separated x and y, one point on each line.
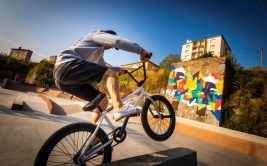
224	131
244	143
176	156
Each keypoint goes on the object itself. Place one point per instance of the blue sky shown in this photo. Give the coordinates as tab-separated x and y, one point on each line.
161	26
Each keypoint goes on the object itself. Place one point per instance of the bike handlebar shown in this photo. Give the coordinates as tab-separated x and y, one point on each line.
139	83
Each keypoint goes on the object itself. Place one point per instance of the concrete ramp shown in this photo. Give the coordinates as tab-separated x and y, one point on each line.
176	156
60	106
31	102
7	98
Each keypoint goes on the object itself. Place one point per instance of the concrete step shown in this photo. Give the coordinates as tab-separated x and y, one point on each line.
175	156
29	102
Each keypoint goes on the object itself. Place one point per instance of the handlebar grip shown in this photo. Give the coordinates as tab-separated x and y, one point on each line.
124	72
149	56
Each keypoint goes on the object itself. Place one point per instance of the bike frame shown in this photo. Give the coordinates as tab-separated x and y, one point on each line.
85	154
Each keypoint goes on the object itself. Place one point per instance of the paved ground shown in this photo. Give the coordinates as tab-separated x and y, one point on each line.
22	134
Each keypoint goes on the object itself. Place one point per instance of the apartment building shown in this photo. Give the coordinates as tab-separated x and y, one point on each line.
215	45
21	54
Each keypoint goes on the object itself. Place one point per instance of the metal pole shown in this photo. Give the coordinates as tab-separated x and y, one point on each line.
262	52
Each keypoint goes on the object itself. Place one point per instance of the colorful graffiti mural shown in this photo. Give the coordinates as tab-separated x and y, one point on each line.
196	89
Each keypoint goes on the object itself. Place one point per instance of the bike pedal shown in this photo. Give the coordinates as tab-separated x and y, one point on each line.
134	115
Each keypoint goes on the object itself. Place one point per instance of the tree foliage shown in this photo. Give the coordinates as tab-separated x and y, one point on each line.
155	82
43	72
206	55
11	65
169	60
248	103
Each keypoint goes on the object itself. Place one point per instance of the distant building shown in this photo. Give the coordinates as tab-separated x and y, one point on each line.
149	66
52	59
21	54
215	45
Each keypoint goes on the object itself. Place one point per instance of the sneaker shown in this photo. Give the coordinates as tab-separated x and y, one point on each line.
126	112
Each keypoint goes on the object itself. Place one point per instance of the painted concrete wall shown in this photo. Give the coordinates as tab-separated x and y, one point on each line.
197	86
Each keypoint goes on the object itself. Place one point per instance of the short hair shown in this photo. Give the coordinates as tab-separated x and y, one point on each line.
110	32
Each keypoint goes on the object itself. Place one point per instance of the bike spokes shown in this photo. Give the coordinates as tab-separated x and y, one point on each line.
66	151
158	117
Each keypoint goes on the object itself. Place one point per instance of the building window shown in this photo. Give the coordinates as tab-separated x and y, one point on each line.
187	46
212	40
212	46
187	51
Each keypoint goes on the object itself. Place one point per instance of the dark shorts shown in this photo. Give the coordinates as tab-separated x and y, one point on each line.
77	77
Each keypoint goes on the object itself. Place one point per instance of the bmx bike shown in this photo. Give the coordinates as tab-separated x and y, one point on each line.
73	144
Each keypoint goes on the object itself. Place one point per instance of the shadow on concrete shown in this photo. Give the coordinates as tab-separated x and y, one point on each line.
57	109
39	115
31	113
199	163
175	156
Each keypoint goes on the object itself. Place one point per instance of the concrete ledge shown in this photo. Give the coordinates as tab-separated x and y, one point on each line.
237	141
224	131
176	156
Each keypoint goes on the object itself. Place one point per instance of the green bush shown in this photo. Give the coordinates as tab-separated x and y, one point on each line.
43	72
256	86
169	60
246	109
8	64
206	55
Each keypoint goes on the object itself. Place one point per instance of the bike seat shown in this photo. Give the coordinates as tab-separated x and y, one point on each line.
94	103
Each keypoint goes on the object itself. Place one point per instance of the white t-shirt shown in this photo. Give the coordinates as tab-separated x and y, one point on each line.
91	48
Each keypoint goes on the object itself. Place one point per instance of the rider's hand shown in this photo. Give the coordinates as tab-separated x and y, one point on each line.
145	55
121	71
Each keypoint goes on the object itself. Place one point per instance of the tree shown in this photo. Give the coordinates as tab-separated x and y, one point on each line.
43	72
169	60
247	104
206	55
14	66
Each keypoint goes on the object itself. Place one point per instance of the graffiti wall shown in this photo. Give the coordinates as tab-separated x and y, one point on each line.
199	94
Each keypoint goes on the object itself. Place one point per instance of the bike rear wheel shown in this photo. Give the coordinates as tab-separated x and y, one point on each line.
158	127
63	146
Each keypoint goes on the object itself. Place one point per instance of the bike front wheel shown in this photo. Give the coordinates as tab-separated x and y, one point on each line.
158	118
63	147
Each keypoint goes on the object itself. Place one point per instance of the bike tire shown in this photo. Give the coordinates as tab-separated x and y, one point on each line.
146	116
68	132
